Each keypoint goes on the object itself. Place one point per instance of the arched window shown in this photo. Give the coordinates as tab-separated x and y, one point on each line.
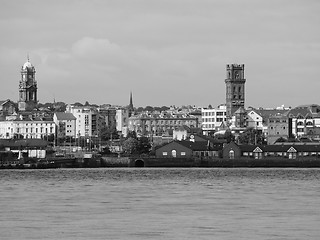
174	153
231	154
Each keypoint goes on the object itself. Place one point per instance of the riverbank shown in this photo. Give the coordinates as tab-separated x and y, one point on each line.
227	163
127	162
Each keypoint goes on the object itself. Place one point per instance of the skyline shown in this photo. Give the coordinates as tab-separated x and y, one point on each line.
164	52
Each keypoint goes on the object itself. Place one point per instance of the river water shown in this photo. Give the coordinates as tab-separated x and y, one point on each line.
164	203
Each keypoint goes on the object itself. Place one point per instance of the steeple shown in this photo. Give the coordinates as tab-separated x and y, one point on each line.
130	107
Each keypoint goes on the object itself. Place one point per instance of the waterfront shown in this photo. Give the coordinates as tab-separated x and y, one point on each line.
160	203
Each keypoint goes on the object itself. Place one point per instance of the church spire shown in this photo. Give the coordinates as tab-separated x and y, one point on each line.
131	103
130	107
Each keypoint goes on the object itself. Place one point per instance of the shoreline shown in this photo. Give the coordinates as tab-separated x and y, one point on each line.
136	162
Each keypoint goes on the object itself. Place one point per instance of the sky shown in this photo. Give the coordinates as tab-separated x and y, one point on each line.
166	52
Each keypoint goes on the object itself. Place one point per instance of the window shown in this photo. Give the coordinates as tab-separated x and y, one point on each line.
174	153
164	153
231	154
183	153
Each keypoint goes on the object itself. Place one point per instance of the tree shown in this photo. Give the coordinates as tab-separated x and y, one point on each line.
78	104
228	136
251	136
60	107
130	146
107	133
132	134
139	109
149	108
143	145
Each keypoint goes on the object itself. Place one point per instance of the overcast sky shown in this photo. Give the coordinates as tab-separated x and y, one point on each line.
167	52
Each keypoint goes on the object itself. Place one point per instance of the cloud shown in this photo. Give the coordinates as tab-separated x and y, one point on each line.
88	47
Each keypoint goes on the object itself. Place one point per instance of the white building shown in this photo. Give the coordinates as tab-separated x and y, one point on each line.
212	118
65	124
255	120
122	118
36	128
86	120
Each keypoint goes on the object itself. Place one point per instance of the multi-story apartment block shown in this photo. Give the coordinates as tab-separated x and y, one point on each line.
65	124
160	124
278	127
122	118
213	118
87	120
107	117
272	123
305	121
27	128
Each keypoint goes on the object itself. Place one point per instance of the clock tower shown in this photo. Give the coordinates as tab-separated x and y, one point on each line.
27	88
235	92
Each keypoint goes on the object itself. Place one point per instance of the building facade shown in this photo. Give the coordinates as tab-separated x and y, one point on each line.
7	107
27	88
65	125
87	120
122	118
213	118
27	128
160	124
305	121
278	127
235	88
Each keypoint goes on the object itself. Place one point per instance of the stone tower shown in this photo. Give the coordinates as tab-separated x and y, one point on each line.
27	88
235	91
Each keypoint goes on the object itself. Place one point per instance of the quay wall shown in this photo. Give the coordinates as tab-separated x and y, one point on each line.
227	163
115	161
276	162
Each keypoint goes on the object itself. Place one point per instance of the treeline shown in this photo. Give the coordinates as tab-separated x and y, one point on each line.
152	109
61	106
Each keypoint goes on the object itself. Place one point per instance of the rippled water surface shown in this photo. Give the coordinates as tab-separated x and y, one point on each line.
129	203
